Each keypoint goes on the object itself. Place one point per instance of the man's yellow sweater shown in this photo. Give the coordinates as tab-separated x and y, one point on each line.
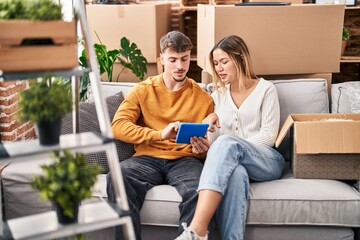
150	107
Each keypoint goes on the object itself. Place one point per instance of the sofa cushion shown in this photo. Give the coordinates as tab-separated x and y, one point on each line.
300	96
287	201
345	97
20	199
164	198
291	201
88	122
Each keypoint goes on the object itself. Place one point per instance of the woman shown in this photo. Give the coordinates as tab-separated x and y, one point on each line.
244	127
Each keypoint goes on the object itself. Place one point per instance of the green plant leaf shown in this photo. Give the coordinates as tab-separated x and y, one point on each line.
132	58
47	99
346	34
68	180
129	55
33	10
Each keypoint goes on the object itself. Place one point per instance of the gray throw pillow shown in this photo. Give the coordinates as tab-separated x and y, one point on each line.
89	123
300	96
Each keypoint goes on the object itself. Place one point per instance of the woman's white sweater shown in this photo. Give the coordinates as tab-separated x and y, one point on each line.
256	120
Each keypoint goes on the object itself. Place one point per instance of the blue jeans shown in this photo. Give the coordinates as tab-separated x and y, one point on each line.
141	173
230	164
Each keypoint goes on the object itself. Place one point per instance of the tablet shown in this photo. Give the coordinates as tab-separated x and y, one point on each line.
188	130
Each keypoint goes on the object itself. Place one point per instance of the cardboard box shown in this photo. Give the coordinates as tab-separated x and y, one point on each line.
291	1
27	45
143	24
296	39
325	146
127	75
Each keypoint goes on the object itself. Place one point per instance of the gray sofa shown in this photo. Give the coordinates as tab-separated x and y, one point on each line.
284	209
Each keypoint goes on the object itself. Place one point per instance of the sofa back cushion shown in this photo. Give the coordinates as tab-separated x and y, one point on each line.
345	97
88	122
300	96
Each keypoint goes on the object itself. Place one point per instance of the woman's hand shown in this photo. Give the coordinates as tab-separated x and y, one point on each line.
200	145
213	120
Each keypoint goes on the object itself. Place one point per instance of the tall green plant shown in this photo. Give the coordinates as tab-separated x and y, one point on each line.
132	58
129	55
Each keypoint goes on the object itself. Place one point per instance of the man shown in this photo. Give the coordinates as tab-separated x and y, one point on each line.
149	118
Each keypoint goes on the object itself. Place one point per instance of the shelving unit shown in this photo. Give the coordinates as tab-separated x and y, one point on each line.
92	216
350	62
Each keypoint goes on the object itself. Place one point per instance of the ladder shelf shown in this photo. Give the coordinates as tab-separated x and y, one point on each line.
92	216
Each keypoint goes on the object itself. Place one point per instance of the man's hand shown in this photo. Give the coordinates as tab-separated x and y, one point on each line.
213	120
170	131
200	145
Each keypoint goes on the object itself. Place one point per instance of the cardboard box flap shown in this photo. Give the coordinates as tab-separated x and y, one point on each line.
284	129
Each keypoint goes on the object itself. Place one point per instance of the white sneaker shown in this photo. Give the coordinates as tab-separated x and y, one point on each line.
189	234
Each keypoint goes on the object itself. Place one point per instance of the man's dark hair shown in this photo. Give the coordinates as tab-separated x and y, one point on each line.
175	41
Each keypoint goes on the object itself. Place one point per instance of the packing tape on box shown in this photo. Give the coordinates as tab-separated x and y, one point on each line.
121	11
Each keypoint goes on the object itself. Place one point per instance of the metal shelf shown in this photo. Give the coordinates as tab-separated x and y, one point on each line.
6	76
28	150
92	216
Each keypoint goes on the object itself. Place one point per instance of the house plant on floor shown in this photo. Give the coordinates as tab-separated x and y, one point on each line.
66	182
45	102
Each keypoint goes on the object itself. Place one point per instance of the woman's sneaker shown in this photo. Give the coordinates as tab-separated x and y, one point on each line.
189	234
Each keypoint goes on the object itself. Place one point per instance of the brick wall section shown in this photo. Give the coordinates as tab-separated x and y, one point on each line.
10	128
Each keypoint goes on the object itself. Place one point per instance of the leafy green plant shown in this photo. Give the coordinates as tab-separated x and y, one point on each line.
129	55
31	10
68	180
346	34
47	99
132	58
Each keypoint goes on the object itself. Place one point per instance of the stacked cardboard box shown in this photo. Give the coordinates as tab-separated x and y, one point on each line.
296	39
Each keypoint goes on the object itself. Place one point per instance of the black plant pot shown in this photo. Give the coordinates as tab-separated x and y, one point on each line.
63	219
49	132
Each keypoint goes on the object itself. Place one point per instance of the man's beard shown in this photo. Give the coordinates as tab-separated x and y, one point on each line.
179	80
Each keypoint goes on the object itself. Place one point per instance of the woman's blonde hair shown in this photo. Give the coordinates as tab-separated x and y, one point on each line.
238	52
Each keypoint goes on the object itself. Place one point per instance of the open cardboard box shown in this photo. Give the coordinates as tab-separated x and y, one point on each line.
325	146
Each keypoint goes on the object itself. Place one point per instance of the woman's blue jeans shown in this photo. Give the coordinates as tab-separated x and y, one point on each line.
141	173
230	164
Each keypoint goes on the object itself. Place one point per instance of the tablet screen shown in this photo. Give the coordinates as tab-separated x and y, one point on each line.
188	130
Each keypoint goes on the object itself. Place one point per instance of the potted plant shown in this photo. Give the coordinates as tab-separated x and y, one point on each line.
345	37
66	182
129	56
45	102
33	36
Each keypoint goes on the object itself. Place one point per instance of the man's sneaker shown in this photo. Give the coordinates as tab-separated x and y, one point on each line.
189	234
